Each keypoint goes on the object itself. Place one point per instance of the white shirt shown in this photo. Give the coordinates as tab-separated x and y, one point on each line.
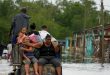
43	34
9	47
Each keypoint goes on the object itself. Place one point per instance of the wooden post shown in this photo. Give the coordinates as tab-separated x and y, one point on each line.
83	47
102	35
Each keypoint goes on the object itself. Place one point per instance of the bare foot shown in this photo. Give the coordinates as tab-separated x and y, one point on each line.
37	73
27	74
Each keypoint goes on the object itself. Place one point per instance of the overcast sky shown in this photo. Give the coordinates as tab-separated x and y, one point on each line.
106	3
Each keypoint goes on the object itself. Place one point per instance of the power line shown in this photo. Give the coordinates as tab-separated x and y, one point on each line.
104	5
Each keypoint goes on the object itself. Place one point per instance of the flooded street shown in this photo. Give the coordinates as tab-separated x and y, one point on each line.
68	69
4	67
86	69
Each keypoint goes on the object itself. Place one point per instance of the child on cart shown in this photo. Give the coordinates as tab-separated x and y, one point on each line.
28	54
29	57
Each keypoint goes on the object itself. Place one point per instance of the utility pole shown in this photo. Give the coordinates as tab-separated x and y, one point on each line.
84	34
102	31
84	27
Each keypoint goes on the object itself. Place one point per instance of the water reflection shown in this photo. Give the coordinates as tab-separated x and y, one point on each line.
86	67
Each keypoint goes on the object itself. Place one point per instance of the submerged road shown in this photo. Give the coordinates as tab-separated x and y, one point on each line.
68	69
4	67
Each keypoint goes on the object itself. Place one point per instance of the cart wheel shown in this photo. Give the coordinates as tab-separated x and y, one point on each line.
11	74
18	72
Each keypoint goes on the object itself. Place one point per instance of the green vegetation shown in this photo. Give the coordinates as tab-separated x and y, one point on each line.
62	18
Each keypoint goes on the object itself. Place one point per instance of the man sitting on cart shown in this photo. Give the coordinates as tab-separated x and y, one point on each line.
47	55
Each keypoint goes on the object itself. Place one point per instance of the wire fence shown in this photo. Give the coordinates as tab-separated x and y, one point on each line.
88	48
